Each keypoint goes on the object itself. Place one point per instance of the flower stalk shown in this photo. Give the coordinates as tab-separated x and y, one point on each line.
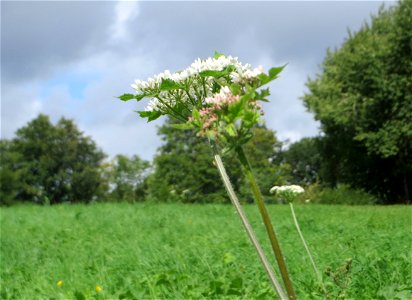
318	274
266	220
248	228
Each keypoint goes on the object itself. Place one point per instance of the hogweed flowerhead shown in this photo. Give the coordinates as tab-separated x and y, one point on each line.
288	192
217	96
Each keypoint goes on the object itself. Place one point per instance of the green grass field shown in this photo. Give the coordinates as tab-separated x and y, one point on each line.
174	251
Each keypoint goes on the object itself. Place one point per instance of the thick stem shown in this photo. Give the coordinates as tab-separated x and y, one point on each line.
295	220
266	220
248	227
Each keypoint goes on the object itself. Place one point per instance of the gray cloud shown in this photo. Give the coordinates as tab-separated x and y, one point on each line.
127	41
38	36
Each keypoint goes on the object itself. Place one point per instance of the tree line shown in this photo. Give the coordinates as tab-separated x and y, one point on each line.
362	98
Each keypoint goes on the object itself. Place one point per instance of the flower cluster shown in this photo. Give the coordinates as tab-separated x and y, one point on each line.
210	64
217	96
195	87
209	115
288	192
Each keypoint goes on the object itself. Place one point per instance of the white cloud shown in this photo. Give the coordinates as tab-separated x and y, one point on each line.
125	12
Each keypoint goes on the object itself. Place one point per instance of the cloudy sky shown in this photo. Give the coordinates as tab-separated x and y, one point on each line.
70	59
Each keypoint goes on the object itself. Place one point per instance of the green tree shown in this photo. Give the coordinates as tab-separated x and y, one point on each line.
57	163
9	173
184	170
264	153
363	99
305	160
127	178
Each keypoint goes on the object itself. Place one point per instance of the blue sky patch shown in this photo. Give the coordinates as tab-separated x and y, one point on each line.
74	82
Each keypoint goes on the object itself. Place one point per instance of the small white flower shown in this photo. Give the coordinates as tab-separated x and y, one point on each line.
287	192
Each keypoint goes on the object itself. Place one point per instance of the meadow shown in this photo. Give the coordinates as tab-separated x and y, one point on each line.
176	251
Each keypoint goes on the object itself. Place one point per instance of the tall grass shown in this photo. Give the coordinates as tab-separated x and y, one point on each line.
175	251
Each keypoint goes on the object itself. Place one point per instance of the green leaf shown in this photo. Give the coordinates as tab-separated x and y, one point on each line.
217	74
236	108
127	97
183	126
195	114
217	55
235	88
216	87
262	95
231	129
274	72
169	84
150	115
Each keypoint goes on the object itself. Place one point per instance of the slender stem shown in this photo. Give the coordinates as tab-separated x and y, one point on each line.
266	220
248	227
295	220
175	113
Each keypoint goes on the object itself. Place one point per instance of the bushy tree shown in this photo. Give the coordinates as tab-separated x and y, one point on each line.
10	172
56	163
363	99
127	178
305	160
184	170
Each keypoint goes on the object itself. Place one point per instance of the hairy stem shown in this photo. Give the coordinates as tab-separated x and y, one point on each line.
266	220
248	227
318	275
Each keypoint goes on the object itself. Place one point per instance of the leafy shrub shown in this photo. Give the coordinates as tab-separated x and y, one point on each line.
342	194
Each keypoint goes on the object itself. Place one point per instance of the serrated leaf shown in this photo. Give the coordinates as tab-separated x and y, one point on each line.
236	108
264	93
264	79
150	115
168	84
274	72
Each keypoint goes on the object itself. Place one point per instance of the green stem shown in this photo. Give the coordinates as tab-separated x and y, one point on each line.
266	220
175	113
246	224
319	276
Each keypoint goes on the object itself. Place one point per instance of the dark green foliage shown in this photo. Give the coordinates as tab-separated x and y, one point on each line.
53	164
263	152
184	169
127	178
341	194
363	99
10	172
305	160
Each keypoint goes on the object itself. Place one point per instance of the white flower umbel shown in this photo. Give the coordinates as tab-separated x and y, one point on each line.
289	193
191	79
